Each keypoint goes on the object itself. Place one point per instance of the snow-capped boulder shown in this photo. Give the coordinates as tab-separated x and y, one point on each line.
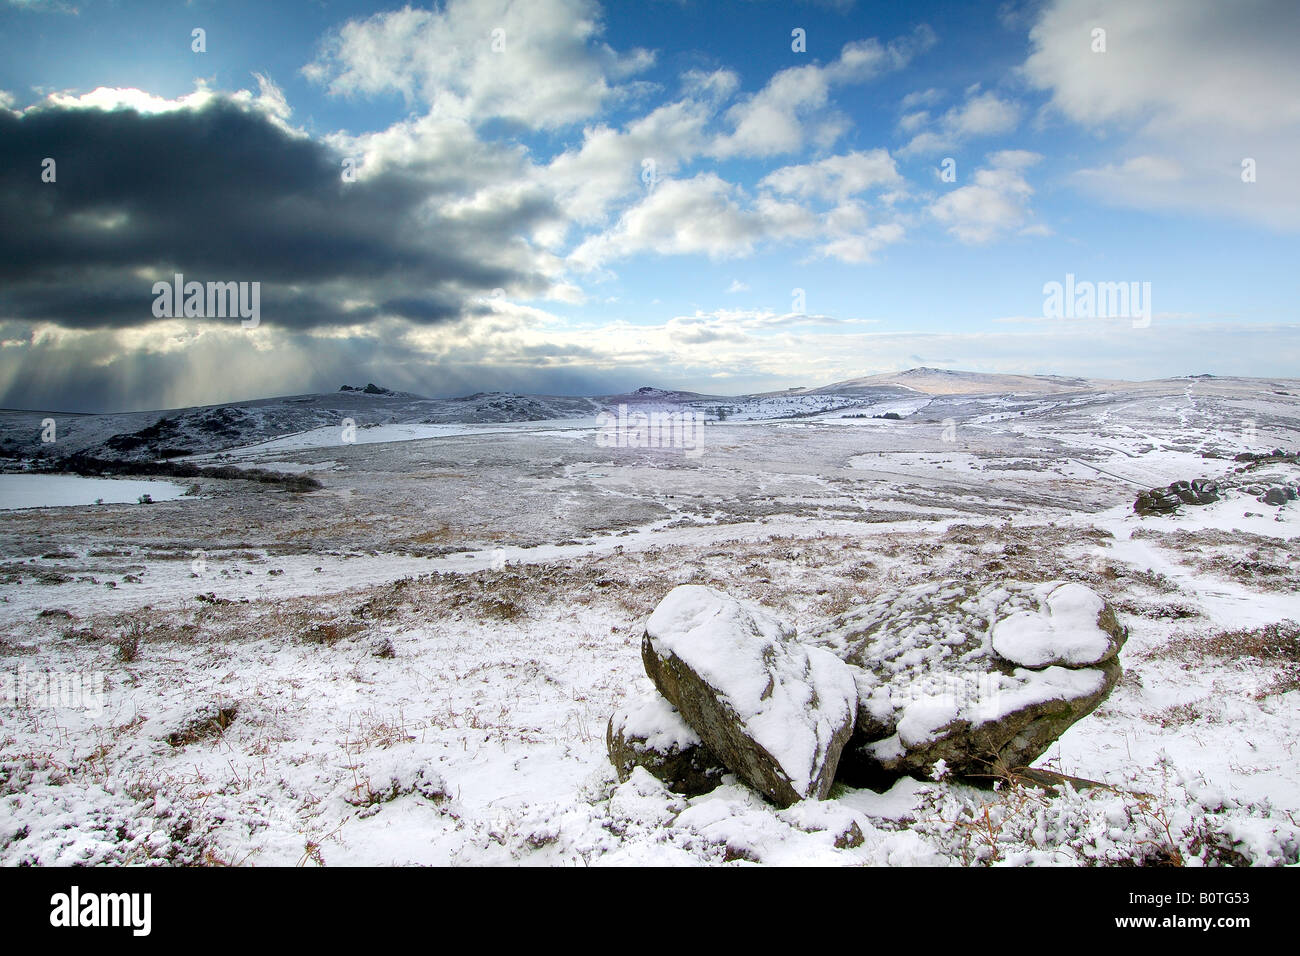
648	732
1072	627
979	679
775	712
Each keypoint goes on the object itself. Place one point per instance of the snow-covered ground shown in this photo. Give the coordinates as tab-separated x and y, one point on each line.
334	435
416	663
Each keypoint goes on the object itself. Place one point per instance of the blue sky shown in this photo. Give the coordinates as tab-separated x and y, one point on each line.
586	198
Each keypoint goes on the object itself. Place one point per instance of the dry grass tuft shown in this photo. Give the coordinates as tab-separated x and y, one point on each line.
1176	715
1275	646
1273	643
211	722
1268	564
329	632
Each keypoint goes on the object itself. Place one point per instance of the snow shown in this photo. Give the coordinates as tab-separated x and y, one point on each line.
332	436
923	719
652	719
790	699
62	491
1040	686
1064	631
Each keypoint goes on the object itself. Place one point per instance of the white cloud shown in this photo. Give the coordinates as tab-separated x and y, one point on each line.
982	114
112	98
706	215
52	6
1014	158
714	86
836	177
1170	67
909	123
703	215
539	64
772	349
995	204
791	109
773	120
629	171
611	165
927	98
269	101
444	152
846	231
861	246
1195	88
1147	170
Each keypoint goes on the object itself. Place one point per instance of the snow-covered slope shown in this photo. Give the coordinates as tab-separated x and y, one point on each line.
207	429
938	381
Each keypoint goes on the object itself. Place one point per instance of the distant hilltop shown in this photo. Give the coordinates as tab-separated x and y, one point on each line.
370	389
942	381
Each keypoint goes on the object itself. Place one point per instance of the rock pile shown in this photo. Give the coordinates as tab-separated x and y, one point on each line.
938	677
1276	455
1202	491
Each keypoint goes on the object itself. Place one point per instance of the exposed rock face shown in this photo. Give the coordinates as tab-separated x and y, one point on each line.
775	712
980	679
649	732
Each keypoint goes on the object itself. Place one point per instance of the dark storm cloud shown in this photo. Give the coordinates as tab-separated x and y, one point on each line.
426	309
75	376
222	193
